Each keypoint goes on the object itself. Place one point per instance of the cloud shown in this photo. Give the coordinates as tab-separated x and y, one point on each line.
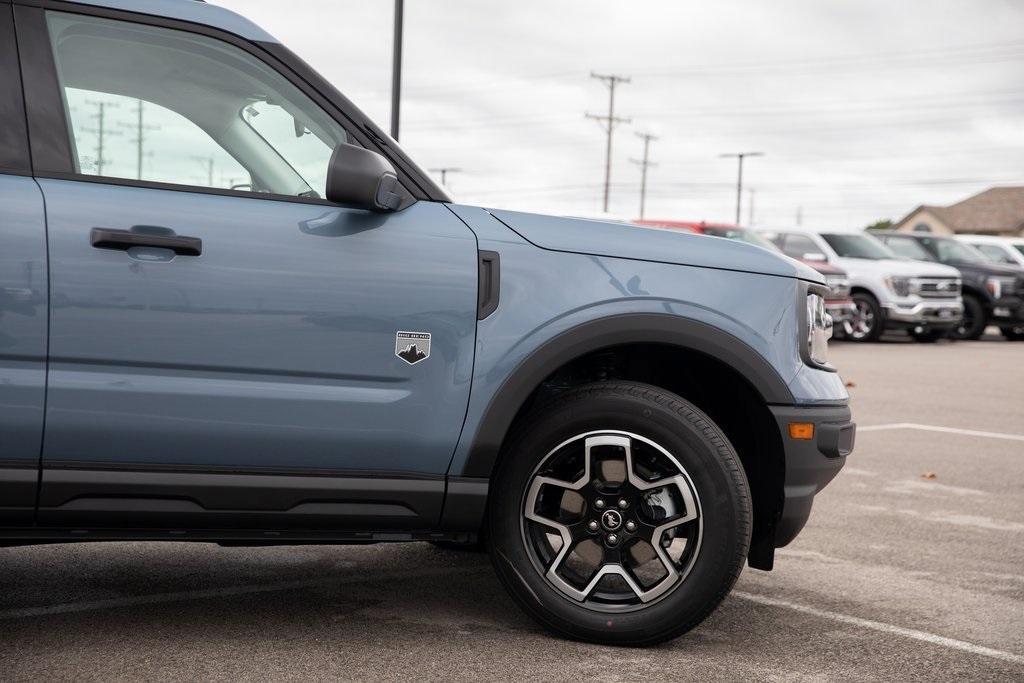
863	109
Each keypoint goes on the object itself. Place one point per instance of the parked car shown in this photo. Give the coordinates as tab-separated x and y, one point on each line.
838	302
318	346
1005	250
993	293
889	292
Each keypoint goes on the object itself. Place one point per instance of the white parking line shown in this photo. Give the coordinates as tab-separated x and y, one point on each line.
204	594
942	641
945	430
184	596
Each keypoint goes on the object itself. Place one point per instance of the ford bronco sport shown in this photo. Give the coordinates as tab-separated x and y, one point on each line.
234	311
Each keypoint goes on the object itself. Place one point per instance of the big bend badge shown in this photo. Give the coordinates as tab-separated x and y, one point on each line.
412	347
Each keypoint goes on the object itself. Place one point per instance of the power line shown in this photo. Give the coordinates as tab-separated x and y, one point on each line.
731	116
848	107
926	55
644	164
610	121
803	187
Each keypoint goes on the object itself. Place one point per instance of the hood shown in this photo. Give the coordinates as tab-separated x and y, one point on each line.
988	269
900	267
824	267
623	240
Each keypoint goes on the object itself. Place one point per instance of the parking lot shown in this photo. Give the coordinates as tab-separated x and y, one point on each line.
911	567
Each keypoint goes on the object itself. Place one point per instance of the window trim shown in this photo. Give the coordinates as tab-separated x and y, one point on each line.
49	139
14	152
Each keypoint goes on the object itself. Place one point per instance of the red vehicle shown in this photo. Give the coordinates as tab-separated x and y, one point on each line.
838	304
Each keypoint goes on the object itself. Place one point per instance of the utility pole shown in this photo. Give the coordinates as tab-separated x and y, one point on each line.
140	129
799	216
396	68
644	164
208	163
444	171
608	123
739	179
101	132
750	216
99	144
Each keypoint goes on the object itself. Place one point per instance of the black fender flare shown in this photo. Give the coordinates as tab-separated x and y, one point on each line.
617	330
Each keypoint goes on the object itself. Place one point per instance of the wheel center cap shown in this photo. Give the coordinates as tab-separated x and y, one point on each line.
611	520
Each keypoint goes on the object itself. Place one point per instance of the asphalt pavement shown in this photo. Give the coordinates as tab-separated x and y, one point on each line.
911	568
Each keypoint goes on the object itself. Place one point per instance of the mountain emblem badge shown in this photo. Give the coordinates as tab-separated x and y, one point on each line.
412	347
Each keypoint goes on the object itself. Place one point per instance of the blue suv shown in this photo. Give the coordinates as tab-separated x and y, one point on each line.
233	310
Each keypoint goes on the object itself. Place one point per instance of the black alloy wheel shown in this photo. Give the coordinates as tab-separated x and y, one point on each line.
619	514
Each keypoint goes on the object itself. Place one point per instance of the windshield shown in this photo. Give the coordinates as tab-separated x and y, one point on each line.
748	236
1019	247
856	245
910	248
952	250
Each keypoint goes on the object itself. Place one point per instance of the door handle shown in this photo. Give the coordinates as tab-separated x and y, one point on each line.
106	238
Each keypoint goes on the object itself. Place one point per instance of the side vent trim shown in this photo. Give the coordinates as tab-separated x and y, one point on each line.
489	284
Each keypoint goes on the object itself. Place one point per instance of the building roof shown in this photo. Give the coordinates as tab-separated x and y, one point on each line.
997	209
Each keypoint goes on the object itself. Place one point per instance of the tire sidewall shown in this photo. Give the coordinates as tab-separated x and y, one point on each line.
1013	333
876	310
724	500
980	319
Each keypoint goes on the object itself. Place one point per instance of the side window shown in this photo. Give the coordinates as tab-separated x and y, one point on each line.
798	246
162	105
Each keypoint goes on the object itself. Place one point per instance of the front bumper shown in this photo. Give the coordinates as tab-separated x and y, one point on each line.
1008	310
810	464
942	313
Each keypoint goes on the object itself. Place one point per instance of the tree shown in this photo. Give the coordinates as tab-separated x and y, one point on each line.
884	224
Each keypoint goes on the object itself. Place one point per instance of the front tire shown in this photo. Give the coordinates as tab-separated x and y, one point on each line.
1013	333
974	321
867	323
620	514
929	336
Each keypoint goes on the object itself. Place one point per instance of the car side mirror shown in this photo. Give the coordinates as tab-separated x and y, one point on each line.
363	179
816	256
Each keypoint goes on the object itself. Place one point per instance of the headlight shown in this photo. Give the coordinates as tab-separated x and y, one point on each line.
839	284
997	286
819	329
900	286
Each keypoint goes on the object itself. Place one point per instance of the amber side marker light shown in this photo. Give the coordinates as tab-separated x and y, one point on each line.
801	430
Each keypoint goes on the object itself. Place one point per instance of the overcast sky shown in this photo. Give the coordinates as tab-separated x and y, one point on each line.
863	109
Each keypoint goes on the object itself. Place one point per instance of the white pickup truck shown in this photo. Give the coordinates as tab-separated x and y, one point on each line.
888	291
